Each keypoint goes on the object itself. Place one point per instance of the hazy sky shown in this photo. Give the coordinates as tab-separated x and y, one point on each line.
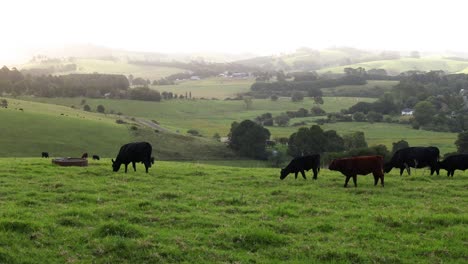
236	26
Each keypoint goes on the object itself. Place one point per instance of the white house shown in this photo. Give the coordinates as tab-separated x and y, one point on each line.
407	112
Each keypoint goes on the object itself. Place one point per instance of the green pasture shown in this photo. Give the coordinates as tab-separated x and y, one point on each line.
407	64
215	116
64	131
219	88
189	212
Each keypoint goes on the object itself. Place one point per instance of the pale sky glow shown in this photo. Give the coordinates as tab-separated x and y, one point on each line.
262	27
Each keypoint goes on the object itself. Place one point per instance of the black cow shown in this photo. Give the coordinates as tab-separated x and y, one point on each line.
95	157
454	162
132	153
302	164
45	154
84	155
415	157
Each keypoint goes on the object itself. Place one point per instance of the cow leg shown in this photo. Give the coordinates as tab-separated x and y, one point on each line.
126	165
315	173
453	172
346	181
401	170
295	175
355	180
376	179
303	175
382	179
147	165
134	166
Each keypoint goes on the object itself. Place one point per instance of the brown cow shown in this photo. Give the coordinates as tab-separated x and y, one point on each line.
361	165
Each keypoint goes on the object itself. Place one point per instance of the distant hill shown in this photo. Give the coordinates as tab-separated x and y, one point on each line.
395	67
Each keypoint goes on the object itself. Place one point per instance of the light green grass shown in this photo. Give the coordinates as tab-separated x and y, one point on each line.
209	88
215	116
185	212
115	67
63	131
406	64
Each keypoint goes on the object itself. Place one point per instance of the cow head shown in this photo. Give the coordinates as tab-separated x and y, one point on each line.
115	165
333	165
284	173
387	167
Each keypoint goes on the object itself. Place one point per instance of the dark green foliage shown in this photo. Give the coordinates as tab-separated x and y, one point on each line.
194	132
317	111
359	117
462	142
100	109
374	117
354	140
86	108
145	94
249	139
399	145
313	140
424	112
297	96
4	103
282	120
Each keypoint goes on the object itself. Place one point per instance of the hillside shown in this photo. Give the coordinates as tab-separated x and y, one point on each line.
397	66
194	213
108	66
215	116
65	131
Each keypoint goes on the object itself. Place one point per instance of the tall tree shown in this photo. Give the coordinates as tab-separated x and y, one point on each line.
249	139
462	142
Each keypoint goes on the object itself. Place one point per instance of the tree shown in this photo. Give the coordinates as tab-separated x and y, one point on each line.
274	98
318	100
399	145
306	141
297	96
355	140
359	117
100	109
282	120
373	116
317	111
86	108
280	76
424	111
462	142
249	139
248	101
4	103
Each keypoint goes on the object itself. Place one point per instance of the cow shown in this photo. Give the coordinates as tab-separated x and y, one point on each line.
132	153
95	157
85	155
301	164
45	154
416	157
361	165
452	163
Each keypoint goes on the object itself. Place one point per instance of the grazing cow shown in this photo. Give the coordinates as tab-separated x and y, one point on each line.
416	157
361	165
45	154
95	157
85	155
301	164
454	162
133	153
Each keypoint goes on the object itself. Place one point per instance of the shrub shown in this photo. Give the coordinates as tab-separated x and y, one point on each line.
193	132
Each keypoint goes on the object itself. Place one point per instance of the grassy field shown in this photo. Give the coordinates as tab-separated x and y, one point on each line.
64	131
353	89
215	116
188	212
209	88
407	64
114	67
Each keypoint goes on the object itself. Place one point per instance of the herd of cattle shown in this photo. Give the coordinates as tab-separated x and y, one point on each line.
406	158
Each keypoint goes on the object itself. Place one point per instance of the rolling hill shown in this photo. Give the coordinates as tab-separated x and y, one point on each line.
69	132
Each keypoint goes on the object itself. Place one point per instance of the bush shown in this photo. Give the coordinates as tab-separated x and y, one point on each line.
359	117
193	132
374	117
86	108
120	121
317	111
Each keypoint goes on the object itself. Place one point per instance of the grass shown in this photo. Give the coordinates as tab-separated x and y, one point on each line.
188	212
355	89
209	88
65	131
407	64
215	116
